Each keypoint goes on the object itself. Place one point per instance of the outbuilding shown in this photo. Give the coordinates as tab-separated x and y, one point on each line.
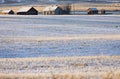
103	11
53	10
10	12
92	11
27	11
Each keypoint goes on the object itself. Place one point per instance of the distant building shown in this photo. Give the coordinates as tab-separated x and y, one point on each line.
66	8
10	12
102	11
53	10
27	11
92	11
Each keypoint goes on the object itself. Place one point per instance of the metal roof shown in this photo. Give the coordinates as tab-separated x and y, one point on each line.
24	9
93	8
50	8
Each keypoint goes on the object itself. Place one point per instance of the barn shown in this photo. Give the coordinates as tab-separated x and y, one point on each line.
27	11
10	12
92	11
53	10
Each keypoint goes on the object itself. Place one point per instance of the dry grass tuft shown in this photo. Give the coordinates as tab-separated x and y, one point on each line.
95	75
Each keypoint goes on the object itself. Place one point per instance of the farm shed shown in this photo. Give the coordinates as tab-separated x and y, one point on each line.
102	11
10	12
66	8
92	11
53	10
27	11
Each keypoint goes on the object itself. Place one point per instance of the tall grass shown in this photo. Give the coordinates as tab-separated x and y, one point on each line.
90	67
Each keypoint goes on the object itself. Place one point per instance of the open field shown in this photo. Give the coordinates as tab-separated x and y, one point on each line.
60	47
90	67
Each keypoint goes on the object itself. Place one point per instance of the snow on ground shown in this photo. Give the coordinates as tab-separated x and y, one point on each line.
53	25
67	35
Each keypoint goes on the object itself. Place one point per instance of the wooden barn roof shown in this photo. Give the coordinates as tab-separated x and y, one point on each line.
50	8
24	9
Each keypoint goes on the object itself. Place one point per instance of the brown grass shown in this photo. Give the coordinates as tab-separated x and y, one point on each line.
89	74
76	7
96	75
84	7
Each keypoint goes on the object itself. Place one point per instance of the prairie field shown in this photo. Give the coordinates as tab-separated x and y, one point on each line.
80	6
60	47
